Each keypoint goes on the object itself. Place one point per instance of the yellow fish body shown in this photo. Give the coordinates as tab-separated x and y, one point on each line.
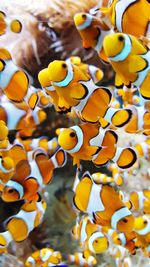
90	142
122	16
130	60
29	217
141	200
95	200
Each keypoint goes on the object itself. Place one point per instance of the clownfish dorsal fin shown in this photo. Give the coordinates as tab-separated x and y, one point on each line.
22	171
137	64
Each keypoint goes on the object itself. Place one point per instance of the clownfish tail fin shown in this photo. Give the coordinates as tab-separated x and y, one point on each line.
125	157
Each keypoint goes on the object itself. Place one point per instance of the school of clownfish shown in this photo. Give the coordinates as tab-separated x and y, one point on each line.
107	219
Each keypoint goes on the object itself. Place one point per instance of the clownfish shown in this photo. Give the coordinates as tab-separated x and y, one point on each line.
92	32
103	203
97	145
140	200
122	16
125	262
6	23
78	259
30	176
29	217
95	73
20	117
42	142
43	257
142	228
76	90
90	236
130	60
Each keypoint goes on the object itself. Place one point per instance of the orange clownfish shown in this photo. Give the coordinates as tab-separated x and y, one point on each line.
44	257
92	32
116	175
20	117
76	90
29	217
141	200
79	260
91	142
90	237
128	96
30	176
5	23
121	14
127	240
103	203
130	60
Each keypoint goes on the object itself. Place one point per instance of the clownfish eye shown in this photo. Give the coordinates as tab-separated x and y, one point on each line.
64	65
10	191
72	134
125	220
145	222
118	239
2	65
84	16
96	241
120	38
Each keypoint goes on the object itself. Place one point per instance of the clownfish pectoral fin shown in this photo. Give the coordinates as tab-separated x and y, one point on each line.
125	157
118	81
136	64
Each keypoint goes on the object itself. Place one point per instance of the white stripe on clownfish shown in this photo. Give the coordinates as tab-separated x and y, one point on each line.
119	215
67	79
31	260
28	218
141	199
86	23
7	237
98	140
95	203
92	239
124	53
91	87
13	115
99	45
79	134
120	8
122	239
